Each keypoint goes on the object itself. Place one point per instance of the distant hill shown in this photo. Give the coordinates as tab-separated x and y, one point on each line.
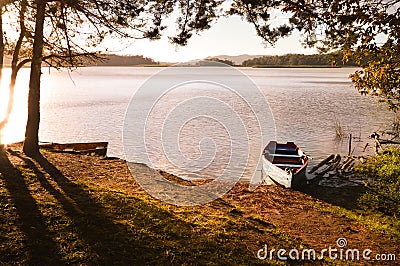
237	59
126	60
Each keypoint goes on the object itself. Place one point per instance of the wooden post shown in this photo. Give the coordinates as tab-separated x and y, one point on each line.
350	137
377	146
262	176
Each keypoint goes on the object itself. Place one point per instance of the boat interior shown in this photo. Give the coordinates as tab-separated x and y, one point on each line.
285	155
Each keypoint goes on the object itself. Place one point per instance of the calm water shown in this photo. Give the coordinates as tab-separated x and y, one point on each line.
90	105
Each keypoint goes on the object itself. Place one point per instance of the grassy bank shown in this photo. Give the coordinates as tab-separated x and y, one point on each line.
79	209
383	174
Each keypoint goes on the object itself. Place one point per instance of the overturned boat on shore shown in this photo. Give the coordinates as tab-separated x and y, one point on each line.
98	148
285	164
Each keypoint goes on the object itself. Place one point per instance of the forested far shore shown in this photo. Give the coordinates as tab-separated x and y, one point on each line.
295	60
125	60
267	61
288	60
110	60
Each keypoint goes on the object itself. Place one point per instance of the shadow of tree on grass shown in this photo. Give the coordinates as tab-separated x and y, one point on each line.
39	242
106	242
77	224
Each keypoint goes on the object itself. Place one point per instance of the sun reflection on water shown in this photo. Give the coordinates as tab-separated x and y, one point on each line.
15	128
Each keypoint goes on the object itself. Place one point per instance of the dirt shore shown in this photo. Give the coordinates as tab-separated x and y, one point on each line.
80	209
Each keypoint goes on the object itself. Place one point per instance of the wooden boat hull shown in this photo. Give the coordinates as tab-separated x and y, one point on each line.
276	174
98	148
285	164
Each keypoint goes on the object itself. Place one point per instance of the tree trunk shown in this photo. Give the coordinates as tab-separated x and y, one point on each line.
1	42
31	144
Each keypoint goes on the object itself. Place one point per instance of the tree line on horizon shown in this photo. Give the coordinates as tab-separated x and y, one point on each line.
268	60
125	60
109	60
298	60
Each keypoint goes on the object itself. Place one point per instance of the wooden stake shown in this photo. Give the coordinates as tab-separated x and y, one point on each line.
350	137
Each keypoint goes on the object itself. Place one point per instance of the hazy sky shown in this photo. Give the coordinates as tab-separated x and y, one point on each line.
229	36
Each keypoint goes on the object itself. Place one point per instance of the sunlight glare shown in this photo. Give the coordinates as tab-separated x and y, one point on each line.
15	128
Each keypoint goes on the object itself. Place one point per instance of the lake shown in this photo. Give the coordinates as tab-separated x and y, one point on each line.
304	104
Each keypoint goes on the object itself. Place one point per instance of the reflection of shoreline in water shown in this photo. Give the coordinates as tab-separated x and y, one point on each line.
304	102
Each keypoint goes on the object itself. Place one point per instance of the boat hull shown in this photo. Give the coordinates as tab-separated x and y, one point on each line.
285	164
276	174
98	148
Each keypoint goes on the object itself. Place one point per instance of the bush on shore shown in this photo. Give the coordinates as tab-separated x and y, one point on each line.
383	173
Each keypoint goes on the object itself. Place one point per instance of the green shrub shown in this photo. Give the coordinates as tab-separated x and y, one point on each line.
383	173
